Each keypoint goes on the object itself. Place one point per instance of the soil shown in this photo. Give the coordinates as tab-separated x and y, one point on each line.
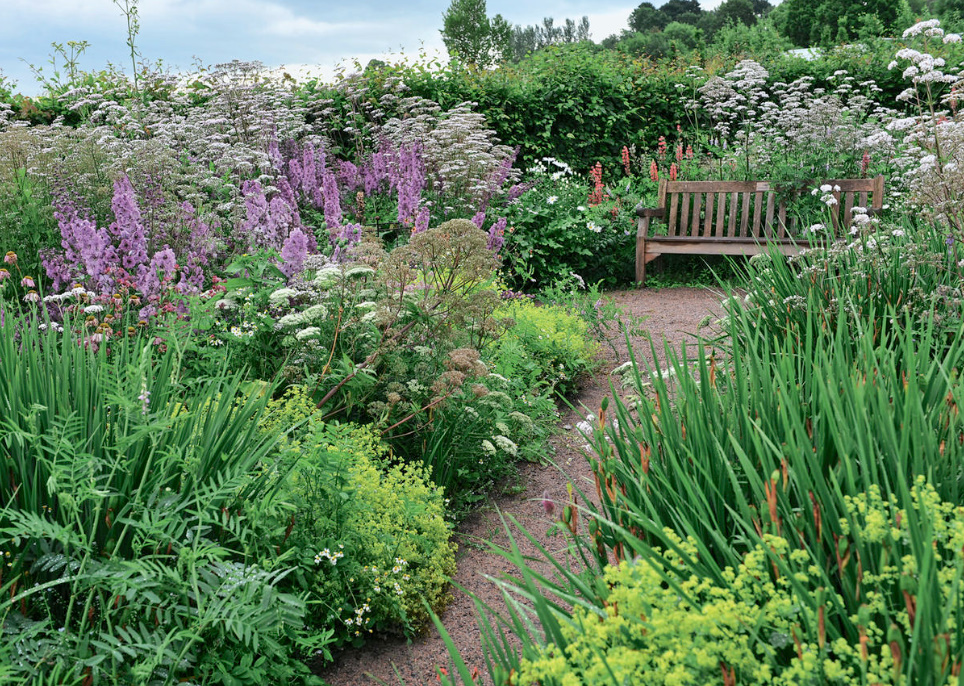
673	315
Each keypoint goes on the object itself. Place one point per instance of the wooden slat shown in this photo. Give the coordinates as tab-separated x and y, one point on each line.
879	192
848	209
757	214
708	215
714	186
695	224
745	219
661	193
702	246
862	199
734	207
771	202
850	184
782	220
673	208
835	210
684	222
720	209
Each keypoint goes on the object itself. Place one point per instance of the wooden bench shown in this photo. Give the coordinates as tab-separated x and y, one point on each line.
739	217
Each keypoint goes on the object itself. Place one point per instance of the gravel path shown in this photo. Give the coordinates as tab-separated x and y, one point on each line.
670	314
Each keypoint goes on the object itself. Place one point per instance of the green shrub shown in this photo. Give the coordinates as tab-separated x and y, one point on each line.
546	345
369	537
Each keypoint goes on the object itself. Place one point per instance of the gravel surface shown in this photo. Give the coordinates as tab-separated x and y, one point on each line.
670	314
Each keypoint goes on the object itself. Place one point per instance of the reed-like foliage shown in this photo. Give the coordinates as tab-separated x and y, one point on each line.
126	557
823	466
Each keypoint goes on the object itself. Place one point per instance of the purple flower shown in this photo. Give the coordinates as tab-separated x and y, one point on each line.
27	282
421	221
127	226
479	219
293	253
497	235
274	152
164	263
518	189
329	189
256	213
348	175
348	236
144	397
409	180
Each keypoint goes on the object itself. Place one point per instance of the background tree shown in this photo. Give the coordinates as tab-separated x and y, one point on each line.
500	39
646	17
466	31
684	11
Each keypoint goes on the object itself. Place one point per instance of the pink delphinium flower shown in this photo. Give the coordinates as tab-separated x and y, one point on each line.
673	171
653	171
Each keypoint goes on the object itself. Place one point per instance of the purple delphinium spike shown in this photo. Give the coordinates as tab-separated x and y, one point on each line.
294	175
479	219
149	283
128	228
410	181
287	193
274	151
497	235
518	190
498	177
347	237
86	248
348	175
332	201
196	237
256	213
309	175
282	218
293	253
421	222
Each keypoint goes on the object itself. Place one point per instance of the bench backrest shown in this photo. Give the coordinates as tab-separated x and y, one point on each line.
754	209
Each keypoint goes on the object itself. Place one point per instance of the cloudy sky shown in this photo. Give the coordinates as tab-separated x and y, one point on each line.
275	32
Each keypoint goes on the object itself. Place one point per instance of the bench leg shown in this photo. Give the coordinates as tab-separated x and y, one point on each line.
641	233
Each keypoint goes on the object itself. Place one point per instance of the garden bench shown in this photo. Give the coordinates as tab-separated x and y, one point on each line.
739	217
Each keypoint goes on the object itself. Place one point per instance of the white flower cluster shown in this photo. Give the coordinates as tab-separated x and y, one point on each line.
333	558
553	168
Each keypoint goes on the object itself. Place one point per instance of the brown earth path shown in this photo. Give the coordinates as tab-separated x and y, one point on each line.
670	314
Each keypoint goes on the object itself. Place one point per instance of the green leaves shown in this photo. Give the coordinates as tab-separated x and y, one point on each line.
113	509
